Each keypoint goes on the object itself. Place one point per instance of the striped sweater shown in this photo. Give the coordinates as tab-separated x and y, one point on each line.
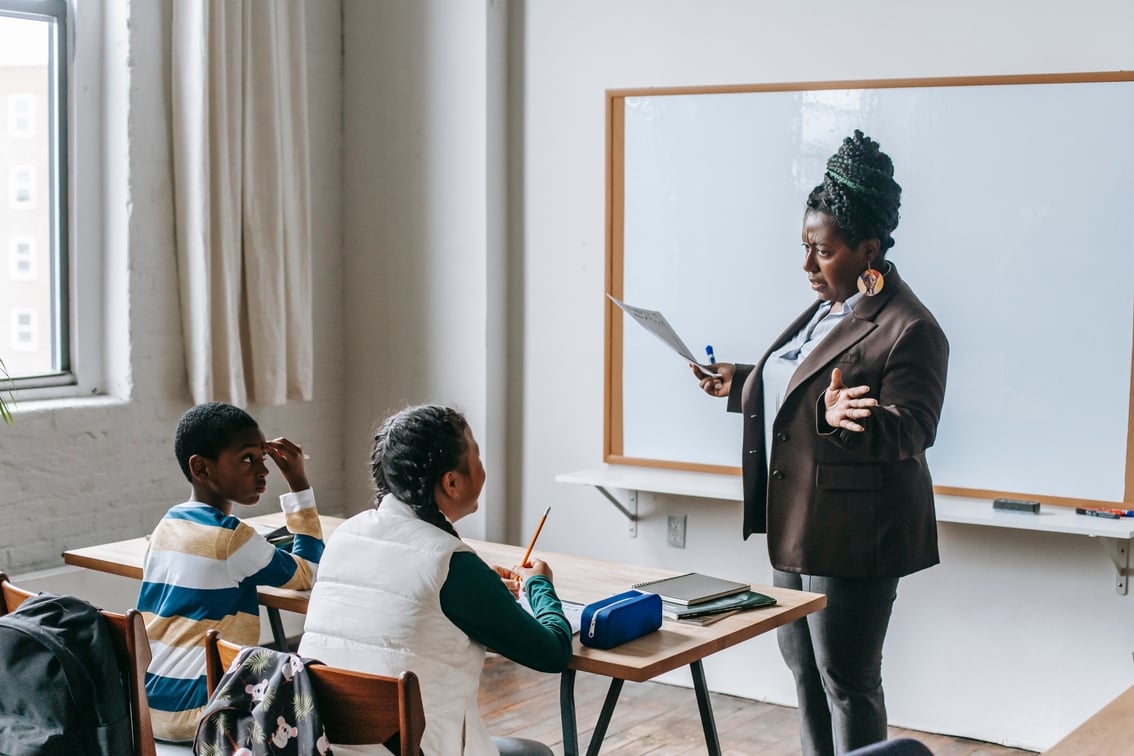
201	571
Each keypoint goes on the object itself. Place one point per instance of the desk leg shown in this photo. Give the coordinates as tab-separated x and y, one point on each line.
604	716
278	634
567	712
708	724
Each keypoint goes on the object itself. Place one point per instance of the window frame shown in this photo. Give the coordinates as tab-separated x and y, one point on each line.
75	191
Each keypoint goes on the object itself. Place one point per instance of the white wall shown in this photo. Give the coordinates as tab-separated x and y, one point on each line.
423	232
1015	637
87	471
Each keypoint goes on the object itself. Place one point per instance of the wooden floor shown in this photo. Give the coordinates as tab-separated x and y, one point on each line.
657	719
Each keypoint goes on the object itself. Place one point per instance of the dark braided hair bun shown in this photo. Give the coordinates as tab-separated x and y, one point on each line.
859	192
413	448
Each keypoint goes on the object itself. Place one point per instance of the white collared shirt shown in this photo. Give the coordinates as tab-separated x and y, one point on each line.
782	364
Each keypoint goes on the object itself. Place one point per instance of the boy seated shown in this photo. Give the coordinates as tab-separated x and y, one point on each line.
203	565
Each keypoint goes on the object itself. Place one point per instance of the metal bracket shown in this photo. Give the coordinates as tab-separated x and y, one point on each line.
1118	549
631	500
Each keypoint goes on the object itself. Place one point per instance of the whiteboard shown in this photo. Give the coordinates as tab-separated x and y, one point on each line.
1017	195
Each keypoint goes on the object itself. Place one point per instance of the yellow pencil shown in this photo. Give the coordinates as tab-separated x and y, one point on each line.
528	553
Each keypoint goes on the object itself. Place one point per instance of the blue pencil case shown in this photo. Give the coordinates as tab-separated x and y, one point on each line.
620	618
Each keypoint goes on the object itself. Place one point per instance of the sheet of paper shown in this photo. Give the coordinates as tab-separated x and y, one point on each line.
654	322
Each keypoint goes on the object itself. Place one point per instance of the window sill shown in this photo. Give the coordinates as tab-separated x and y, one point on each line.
31	406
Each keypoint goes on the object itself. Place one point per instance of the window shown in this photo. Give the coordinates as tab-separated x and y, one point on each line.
24	330
37	347
21	115
21	259
21	188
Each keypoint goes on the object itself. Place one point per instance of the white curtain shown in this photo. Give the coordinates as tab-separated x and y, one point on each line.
242	198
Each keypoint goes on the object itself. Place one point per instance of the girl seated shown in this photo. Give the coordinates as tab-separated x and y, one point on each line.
399	590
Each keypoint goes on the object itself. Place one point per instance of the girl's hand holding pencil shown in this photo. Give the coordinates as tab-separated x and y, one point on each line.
514	578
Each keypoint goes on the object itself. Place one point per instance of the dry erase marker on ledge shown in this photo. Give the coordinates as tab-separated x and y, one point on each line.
1119	512
1108	514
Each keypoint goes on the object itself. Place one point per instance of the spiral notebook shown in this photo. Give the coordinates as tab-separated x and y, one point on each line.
692	588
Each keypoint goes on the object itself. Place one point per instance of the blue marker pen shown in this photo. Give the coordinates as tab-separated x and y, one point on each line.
712	357
1098	513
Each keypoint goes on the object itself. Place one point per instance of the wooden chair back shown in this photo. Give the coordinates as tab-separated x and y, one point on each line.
357	708
132	647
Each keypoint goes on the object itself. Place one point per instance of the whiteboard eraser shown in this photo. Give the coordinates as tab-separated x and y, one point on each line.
1016	505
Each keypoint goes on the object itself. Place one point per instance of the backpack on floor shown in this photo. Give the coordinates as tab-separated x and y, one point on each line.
264	704
62	690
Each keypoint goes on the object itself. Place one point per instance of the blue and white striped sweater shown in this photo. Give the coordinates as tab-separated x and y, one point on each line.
201	571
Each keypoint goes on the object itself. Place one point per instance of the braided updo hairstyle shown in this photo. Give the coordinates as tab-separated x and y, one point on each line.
412	450
859	192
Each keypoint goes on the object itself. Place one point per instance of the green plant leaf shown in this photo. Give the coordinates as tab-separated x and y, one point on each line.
5	413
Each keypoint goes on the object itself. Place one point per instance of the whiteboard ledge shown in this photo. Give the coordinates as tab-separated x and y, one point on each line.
952	509
1051	519
659	480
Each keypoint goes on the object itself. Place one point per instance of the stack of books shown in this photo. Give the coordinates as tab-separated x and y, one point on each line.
698	599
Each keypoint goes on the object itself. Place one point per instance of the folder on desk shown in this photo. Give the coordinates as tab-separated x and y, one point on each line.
692	588
722	605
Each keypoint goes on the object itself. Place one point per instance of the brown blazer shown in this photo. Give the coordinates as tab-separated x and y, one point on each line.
837	503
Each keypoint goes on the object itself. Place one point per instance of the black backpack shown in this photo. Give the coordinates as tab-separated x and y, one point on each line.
62	690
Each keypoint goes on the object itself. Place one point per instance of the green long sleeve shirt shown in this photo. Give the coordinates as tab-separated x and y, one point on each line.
475	599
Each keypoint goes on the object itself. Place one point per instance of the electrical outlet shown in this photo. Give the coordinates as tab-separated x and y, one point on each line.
675	531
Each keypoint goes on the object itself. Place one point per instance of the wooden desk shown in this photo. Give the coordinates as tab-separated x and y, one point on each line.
125	558
576	579
674	645
1108	732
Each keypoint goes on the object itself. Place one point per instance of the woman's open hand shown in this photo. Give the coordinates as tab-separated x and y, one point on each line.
715	386
846	405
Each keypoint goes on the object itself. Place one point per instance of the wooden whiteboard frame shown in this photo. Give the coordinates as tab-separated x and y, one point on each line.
615	229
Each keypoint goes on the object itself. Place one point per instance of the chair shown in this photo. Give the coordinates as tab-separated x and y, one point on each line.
132	648
357	708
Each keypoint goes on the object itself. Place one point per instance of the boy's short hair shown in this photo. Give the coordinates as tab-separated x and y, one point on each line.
207	429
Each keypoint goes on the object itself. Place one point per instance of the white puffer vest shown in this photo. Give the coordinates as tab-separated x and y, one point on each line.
376	608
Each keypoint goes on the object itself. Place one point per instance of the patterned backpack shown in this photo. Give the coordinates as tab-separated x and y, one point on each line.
264	704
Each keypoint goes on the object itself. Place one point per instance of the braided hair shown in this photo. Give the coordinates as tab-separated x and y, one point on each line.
412	450
859	192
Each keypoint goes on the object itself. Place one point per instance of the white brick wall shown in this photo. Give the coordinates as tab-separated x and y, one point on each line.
81	472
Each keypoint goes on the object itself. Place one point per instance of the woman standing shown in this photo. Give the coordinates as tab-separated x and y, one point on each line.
837	417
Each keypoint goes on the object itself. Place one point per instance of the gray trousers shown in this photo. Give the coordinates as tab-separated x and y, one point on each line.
835	655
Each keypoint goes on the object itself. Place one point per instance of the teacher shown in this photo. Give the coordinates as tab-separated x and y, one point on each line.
837	417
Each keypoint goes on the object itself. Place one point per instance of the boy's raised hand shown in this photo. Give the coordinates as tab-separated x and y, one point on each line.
289	457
